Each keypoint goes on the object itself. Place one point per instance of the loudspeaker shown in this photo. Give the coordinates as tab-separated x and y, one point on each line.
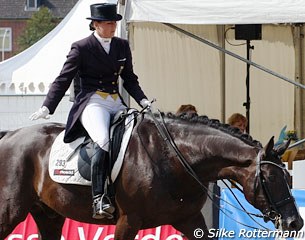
248	32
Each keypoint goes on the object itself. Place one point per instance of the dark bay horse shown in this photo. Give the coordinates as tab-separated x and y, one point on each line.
162	181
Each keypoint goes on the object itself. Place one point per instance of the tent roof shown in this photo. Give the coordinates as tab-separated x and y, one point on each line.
33	70
216	11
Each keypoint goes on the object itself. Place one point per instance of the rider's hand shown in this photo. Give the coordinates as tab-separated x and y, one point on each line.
43	112
145	103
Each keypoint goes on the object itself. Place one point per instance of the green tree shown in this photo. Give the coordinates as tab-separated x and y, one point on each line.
37	27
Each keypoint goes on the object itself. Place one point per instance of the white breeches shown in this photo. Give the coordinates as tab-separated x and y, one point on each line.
96	118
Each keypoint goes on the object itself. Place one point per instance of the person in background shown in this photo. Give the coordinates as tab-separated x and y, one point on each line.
188	109
98	60
238	120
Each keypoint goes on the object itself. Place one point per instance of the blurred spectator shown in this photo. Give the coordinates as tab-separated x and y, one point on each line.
187	109
238	120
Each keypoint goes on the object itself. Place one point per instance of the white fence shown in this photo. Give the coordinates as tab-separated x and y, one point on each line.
15	111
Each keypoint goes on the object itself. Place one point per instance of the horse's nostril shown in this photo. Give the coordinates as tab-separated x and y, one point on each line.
295	225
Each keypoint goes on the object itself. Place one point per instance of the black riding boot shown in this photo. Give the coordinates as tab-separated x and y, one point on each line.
102	206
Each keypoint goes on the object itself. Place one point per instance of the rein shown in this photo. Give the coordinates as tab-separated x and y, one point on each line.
272	213
170	142
161	126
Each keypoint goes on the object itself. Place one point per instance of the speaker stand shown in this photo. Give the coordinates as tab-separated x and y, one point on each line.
248	102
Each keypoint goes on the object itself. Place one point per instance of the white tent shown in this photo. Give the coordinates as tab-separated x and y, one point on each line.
216	11
177	69
32	71
25	78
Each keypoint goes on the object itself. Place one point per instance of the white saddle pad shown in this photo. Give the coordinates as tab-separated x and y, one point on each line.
63	166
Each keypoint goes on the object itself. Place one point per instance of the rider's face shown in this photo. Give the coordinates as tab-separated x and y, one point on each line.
105	29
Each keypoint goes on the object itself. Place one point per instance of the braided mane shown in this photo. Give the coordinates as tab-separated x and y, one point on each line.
215	123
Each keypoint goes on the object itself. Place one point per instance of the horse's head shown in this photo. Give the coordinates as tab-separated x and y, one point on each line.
271	193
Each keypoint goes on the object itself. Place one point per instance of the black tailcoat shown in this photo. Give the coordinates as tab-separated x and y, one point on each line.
97	71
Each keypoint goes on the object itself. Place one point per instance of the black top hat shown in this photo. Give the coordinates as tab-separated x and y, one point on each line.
104	12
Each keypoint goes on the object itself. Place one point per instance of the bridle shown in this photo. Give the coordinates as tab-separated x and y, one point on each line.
272	212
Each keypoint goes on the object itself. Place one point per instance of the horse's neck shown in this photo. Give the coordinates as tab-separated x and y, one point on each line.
240	174
217	156
241	159
211	153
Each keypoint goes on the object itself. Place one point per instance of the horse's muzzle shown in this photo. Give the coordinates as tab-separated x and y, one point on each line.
292	224
295	225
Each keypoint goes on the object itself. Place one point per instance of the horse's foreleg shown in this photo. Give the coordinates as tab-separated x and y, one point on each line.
193	228
49	223
12	212
127	227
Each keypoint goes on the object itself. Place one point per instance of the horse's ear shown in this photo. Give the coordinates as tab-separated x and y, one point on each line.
280	150
268	148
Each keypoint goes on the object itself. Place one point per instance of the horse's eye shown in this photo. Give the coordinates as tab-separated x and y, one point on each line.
272	178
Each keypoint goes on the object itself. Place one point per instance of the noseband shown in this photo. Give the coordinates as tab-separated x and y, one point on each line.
272	212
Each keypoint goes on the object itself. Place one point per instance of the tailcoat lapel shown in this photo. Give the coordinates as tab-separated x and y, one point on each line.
99	52
113	51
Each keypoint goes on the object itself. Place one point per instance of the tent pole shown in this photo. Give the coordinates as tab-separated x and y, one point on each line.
221	40
123	33
299	120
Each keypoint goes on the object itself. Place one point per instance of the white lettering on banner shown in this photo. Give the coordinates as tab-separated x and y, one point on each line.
15	236
33	236
157	236
174	237
110	236
19	236
27	230
81	233
97	235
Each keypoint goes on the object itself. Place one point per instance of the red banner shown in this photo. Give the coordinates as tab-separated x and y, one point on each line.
74	230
